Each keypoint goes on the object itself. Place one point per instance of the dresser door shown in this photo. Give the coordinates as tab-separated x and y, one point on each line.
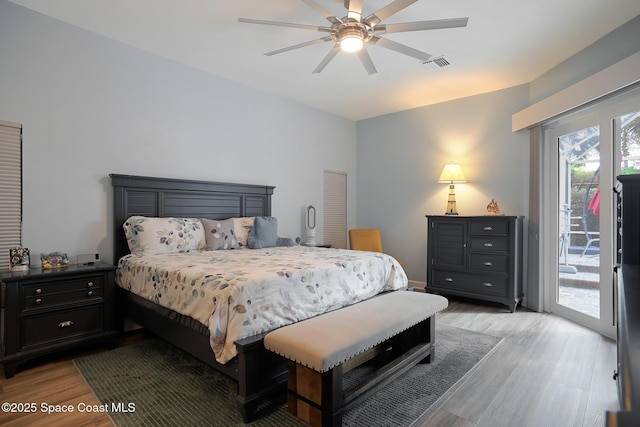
449	244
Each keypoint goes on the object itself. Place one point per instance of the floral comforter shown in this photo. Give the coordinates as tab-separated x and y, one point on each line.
241	293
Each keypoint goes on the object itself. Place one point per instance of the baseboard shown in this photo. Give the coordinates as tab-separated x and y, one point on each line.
417	284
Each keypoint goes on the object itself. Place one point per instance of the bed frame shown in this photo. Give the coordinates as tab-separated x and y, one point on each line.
261	375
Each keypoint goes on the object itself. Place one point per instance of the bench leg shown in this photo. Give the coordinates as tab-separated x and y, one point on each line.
429	335
315	397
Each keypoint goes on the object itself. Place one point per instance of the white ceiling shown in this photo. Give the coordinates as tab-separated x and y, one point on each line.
506	43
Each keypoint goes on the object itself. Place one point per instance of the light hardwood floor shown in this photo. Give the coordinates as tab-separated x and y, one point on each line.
545	372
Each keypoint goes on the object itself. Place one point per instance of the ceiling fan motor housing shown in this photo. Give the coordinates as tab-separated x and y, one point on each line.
355	32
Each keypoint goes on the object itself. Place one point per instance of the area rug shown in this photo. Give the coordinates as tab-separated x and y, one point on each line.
153	383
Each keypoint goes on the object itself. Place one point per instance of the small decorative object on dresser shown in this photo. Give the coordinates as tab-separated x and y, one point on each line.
476	257
18	259
47	310
54	260
493	208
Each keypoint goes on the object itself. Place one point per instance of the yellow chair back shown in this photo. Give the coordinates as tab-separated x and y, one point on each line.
365	239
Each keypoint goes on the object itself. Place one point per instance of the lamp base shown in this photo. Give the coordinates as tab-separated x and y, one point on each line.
451	202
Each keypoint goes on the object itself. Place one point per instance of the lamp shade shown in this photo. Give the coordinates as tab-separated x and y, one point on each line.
452	173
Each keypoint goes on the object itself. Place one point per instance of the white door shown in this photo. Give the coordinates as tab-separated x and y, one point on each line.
583	153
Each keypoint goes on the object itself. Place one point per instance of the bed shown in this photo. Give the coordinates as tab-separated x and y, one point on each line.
225	327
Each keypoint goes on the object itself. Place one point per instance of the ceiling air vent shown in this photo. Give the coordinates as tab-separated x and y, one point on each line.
436	62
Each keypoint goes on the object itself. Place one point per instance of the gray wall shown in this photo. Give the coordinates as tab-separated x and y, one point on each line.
614	47
91	106
401	156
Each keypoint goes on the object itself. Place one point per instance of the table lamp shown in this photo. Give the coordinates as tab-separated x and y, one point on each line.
451	174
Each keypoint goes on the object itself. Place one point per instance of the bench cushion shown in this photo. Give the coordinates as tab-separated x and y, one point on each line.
328	340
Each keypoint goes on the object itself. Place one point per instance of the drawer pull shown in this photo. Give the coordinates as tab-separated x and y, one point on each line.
38	291
488	228
90	293
488	245
90	284
488	263
65	324
448	279
38	301
487	284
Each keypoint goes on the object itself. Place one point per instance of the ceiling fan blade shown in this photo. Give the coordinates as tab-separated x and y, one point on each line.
322	11
298	46
400	48
366	61
284	24
436	24
354	8
390	9
332	53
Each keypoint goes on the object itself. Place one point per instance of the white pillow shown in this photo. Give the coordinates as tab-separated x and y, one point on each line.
149	235
242	226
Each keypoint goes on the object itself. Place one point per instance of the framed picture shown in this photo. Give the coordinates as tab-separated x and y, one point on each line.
18	259
54	260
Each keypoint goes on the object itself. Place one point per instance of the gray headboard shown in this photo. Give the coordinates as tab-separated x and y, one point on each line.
166	197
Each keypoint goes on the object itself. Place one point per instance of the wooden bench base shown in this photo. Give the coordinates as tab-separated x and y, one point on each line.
320	398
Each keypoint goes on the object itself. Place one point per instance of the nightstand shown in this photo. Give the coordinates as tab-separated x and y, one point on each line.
44	311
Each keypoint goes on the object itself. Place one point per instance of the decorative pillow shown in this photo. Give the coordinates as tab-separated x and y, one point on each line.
148	235
242	226
219	234
264	234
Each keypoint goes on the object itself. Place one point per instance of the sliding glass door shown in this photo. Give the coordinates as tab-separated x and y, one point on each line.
583	153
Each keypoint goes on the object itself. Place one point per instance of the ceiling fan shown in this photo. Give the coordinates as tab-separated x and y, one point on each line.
352	32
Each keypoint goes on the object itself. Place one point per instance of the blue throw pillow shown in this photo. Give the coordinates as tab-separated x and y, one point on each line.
264	234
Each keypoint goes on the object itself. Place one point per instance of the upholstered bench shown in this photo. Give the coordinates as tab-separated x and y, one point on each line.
394	331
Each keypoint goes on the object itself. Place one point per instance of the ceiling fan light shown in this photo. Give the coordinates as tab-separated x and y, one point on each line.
351	43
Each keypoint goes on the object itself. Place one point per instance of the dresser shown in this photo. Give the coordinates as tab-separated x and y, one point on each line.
475	257
627	292
44	311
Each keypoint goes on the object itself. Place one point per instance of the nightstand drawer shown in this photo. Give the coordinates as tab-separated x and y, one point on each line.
62	285
491	244
490	263
61	325
470	282
49	299
489	228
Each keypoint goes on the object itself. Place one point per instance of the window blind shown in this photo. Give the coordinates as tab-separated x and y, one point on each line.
10	189
335	209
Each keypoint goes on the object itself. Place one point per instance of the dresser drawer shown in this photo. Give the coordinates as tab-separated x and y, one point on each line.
490	244
490	263
477	283
489	228
61	325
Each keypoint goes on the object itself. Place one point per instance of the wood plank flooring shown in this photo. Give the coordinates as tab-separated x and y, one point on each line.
547	371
